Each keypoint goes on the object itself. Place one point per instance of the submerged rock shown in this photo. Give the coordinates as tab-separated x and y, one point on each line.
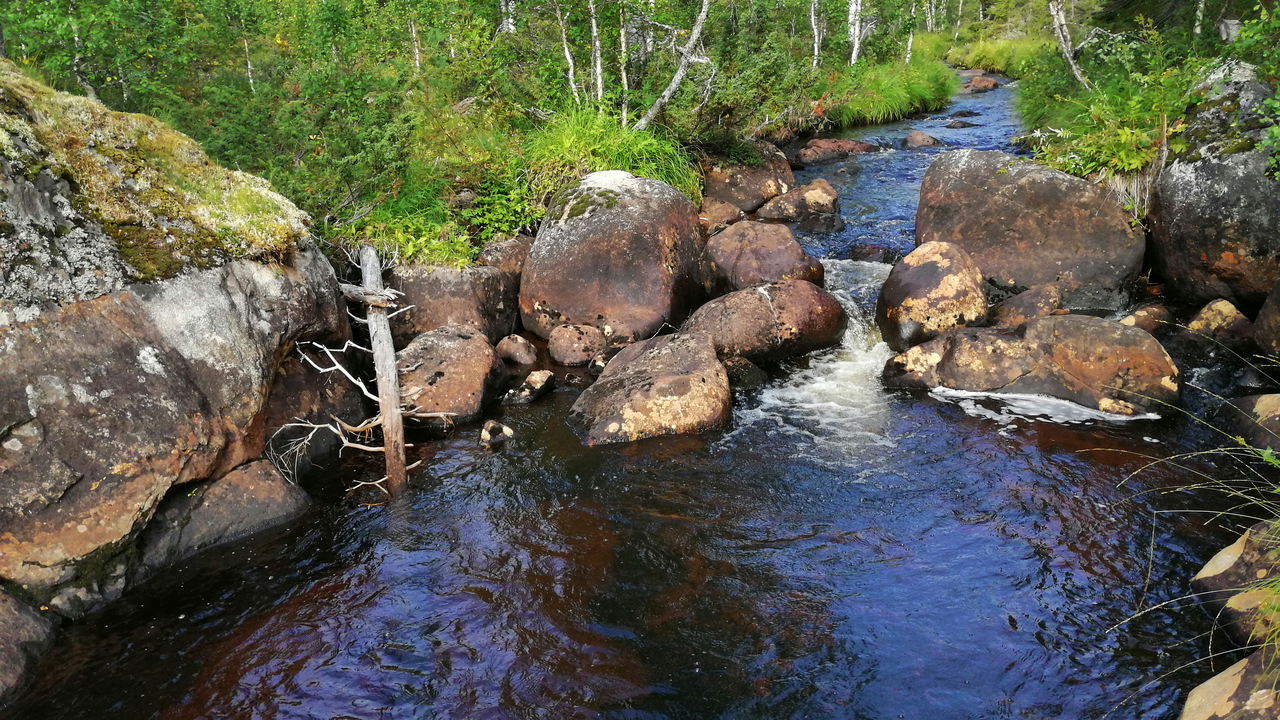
534	386
575	345
1237	585
824	150
1026	225
771	323
936	287
817	197
620	252
1244	691
1090	361
24	635
668	385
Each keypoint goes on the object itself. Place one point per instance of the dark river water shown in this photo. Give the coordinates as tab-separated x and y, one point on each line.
844	551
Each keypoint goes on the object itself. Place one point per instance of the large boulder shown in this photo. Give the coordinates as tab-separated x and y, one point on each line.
1026	225
575	345
747	187
668	385
1215	214
771	323
1266	326
815	198
251	498
1244	691
823	150
24	634
1087	360
752	253
1035	302
451	370
482	297
507	255
1256	418
936	287
620	252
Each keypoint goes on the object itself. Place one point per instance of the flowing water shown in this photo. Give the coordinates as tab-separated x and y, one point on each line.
844	551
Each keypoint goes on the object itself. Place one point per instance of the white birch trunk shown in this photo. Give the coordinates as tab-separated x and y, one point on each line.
1064	42
855	31
597	64
417	48
248	66
568	55
959	21
507	8
911	38
1199	17
817	32
622	61
686	53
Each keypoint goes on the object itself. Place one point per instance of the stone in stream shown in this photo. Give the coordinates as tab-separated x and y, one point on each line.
668	385
575	345
752	253
980	84
24	635
918	139
1155	319
747	187
716	215
1238	587
246	500
452	370
935	288
966	114
960	125
821	223
517	350
1266	326
1245	691
1221	324
620	252
1256	418
1215	213
771	323
534	386
824	150
809	199
744	374
1087	360
1027	225
481	297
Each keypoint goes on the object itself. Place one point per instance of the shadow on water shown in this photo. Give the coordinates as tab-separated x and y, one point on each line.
842	552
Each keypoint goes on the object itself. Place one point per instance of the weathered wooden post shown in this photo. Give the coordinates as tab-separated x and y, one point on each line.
384	364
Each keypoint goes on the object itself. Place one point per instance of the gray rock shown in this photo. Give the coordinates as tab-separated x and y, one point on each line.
575	345
24	634
517	350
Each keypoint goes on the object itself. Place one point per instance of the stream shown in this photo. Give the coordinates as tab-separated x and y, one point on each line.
842	552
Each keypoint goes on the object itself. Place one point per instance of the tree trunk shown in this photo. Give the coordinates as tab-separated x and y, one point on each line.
2	52
507	9
417	48
817	32
855	31
1199	17
911	38
1064	42
959	20
77	70
694	36
568	55
248	66
384	363
622	61
597	63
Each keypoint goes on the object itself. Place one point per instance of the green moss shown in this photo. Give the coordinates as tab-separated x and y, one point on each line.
1239	146
155	254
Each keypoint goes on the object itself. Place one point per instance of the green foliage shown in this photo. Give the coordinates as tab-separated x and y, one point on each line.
1259	43
881	93
581	141
1014	57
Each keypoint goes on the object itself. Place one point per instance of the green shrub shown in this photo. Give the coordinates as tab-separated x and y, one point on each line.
880	93
581	141
1008	57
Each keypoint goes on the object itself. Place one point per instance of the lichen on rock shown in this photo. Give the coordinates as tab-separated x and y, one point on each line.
92	199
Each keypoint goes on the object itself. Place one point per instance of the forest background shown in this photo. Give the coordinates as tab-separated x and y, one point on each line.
429	127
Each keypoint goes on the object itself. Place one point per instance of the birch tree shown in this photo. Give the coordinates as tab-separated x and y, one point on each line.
687	57
860	26
1064	42
568	54
816	27
507	11
597	64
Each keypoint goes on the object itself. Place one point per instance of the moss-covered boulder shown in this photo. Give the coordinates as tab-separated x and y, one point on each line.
92	199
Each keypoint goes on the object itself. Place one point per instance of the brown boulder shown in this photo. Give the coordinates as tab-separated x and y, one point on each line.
982	84
453	370
1087	360
535	385
517	350
1036	302
1222	324
481	297
717	215
935	288
1266	326
917	139
506	255
822	150
747	187
817	197
752	253
620	252
575	345
668	385
1256	418
1155	319
771	323
1027	225
1238	585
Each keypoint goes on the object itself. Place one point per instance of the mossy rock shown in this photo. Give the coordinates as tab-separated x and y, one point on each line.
152	189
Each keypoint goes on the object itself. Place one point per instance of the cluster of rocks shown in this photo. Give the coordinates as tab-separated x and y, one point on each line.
618	261
143	371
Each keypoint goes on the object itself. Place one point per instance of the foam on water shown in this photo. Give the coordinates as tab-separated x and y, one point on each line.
1010	407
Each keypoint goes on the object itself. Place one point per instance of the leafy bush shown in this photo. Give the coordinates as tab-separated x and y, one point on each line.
881	93
1259	43
1009	57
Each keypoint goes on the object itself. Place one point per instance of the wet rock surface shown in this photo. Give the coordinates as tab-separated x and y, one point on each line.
481	297
825	150
517	350
669	385
1090	361
747	187
815	198
619	252
575	345
934	288
24	634
1236	584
